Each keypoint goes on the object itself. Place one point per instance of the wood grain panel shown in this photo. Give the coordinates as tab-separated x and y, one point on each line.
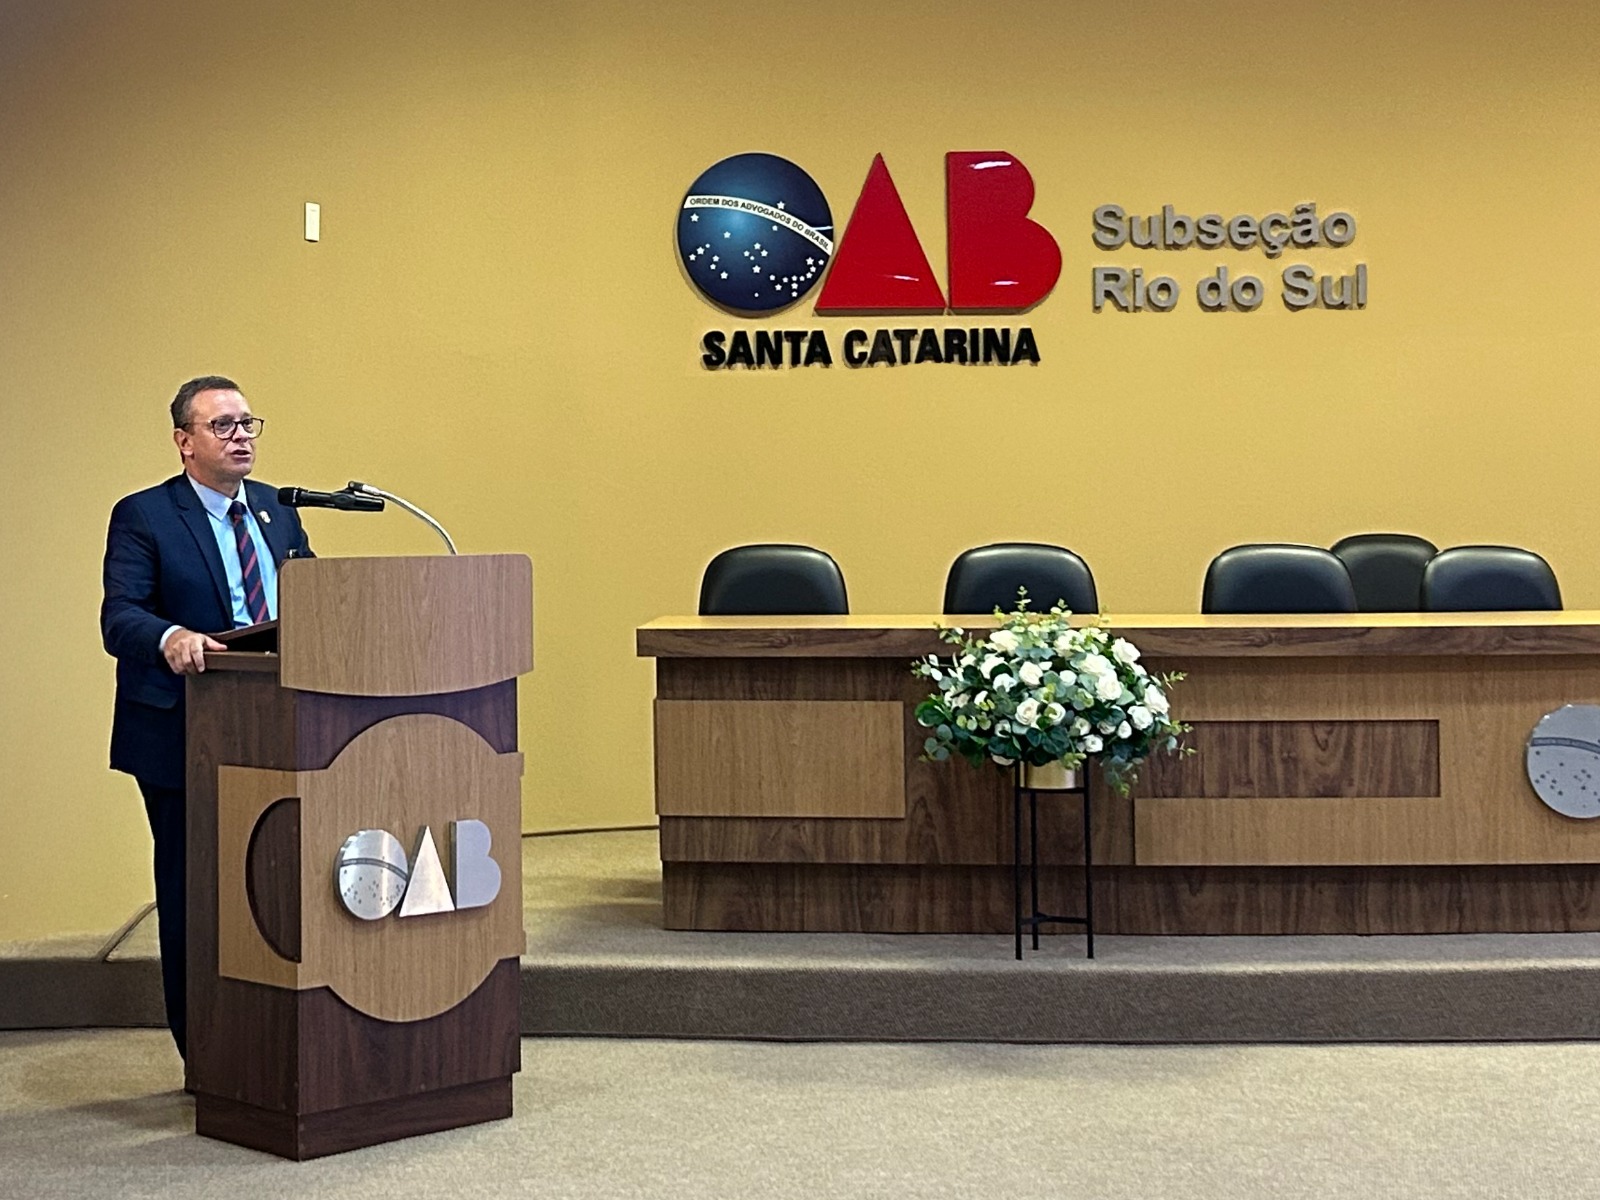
1485	810
304	1137
780	758
348	1058
233	717
1191	634
244	794
405	774
272	877
308	1054
1235	901
1300	758
405	626
931	834
787	679
242	660
954	813
325	724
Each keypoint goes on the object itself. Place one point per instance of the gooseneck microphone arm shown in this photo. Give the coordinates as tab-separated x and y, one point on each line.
366	489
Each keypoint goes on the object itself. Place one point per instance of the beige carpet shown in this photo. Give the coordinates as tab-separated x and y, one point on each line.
87	1114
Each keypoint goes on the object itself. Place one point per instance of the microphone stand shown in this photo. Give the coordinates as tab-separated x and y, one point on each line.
366	489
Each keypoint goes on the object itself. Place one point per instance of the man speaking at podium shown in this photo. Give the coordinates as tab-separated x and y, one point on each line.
192	556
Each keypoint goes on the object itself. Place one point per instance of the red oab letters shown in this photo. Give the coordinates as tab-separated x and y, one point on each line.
999	259
880	265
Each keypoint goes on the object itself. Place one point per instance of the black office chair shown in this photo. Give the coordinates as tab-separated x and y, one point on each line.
1277	578
772	580
987	577
1489	579
1385	569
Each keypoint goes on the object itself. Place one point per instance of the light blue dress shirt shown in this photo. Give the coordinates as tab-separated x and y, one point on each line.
216	506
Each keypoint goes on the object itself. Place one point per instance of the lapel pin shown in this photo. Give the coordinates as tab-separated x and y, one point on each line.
265	520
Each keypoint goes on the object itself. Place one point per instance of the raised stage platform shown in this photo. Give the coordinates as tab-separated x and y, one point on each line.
599	964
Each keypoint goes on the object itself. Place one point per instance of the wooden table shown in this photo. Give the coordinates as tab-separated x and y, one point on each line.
1354	774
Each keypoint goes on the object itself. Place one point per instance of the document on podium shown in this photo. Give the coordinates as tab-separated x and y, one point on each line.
260	637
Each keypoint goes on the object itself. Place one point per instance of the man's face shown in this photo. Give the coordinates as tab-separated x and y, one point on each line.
219	463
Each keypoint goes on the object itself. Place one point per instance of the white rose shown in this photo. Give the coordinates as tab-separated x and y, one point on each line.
1054	714
967	660
1096	664
1031	673
959	700
1080	727
1028	712
1003	683
987	666
1107	687
1124	731
1140	716
1124	652
1155	699
1004	640
1107	726
1092	744
1068	678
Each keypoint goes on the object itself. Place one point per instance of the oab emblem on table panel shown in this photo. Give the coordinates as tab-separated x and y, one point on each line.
424	946
1564	760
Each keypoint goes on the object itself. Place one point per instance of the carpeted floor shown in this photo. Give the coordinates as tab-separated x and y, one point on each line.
87	1114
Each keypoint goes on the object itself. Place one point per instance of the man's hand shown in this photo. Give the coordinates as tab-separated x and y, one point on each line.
186	651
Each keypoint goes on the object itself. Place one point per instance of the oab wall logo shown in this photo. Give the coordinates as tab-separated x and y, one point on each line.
756	235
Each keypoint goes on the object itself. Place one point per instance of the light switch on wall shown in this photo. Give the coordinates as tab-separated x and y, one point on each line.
313	222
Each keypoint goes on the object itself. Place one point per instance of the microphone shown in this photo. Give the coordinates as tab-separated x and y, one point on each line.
295	497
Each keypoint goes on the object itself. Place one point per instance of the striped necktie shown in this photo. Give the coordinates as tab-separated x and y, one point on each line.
255	595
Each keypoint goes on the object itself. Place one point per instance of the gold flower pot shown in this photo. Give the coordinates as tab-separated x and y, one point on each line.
1053	777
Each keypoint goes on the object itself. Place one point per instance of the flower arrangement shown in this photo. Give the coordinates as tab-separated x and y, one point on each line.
1039	690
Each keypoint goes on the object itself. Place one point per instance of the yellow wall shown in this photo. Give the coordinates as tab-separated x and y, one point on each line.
495	323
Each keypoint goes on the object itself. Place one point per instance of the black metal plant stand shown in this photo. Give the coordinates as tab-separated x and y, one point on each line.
1036	918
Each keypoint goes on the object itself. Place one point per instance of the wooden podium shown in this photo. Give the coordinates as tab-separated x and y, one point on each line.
389	705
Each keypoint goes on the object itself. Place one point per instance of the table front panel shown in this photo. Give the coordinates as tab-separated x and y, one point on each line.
780	758
953	813
1385	809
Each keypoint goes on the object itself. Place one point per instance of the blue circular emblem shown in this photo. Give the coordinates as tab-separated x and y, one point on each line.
755	233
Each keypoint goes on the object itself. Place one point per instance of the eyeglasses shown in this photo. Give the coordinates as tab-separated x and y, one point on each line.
226	427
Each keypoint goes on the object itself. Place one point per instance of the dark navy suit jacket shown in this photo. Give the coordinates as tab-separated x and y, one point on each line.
162	568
